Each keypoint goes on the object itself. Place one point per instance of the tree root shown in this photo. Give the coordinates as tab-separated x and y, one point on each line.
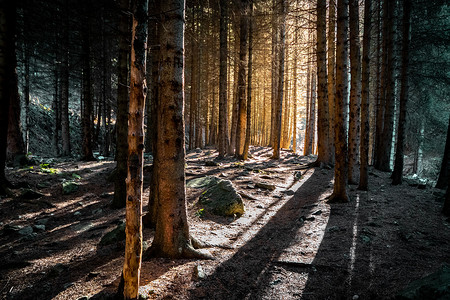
333	198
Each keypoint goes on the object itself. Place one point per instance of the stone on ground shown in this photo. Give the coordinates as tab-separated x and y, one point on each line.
222	199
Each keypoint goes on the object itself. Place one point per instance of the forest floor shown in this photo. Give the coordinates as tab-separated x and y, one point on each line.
289	244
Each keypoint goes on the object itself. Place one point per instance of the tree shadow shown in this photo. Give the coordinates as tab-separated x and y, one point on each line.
246	273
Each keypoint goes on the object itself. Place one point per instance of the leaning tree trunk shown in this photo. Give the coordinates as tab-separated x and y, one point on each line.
223	104
120	193
243	47
340	140
279	102
172	237
364	145
7	69
398	166
138	87
323	143
355	92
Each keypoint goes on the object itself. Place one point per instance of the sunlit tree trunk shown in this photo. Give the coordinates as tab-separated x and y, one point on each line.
119	199
138	86
323	143
340	139
398	166
243	48
364	146
331	65
307	146
223	103
279	102
274	72
355	92
249	82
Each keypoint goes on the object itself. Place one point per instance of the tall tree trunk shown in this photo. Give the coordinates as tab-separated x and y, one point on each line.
340	139
119	199
274	72
364	146
279	102
7	69
331	73
235	107
65	132
444	173
398	167
56	112
243	47
307	145
249	82
193	94
16	147
223	103
172	238
323	143
26	89
86	92
138	86
355	92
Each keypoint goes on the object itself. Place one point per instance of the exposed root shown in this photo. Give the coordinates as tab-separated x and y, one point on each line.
333	198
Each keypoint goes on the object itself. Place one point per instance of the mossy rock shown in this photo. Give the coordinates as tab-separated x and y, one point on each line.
202	182
433	286
69	187
222	199
114	236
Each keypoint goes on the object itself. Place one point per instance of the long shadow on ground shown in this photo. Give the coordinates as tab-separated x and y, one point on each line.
245	274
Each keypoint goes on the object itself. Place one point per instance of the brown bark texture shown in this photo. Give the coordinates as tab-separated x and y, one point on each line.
223	103
331	65
138	87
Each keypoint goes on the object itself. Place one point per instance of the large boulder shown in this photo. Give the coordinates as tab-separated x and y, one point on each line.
202	182
222	199
114	236
433	286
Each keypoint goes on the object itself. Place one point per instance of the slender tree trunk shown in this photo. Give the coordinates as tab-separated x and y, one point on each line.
364	146
119	199
444	173
235	108
249	82
323	143
243	48
307	146
56	112
138	86
7	69
398	167
279	104
65	132
86	91
274	73
340	139
223	103
331	73
193	94
355	92
16	146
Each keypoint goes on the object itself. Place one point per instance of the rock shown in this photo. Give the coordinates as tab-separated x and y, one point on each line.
265	185
316	213
289	192
30	194
68	285
114	236
77	213
333	229
57	270
198	272
69	187
365	239
223	199
355	297
42	221
211	163
82	227
27	230
433	286
97	211
39	227
197	150
202	182
9	229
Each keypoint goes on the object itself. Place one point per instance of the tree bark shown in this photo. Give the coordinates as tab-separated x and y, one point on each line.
223	103
7	69
138	86
323	143
243	48
355	92
279	102
119	199
172	237
364	146
65	122
249	82
444	172
398	166
340	139
331	73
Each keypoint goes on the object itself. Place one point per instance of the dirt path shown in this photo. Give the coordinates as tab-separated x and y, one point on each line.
289	244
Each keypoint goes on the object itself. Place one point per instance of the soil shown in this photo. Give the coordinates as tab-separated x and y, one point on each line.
289	244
